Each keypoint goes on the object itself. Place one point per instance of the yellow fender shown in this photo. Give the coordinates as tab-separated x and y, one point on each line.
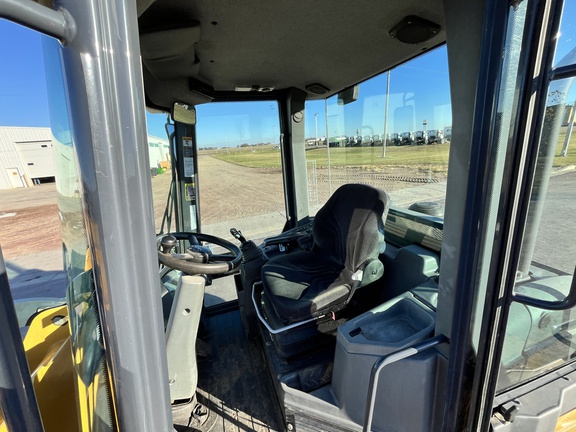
49	355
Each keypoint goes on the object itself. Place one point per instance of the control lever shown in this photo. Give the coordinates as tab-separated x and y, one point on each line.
238	235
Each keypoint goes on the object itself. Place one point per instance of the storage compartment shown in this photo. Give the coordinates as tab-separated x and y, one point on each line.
399	324
393	326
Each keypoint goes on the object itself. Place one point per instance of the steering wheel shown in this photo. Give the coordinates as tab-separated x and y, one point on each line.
198	259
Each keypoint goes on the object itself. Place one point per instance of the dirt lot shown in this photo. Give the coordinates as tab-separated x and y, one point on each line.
29	221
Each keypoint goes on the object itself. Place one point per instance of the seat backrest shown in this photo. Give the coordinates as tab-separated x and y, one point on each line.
350	226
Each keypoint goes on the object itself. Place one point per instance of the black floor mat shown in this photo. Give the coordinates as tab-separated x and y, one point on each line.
233	380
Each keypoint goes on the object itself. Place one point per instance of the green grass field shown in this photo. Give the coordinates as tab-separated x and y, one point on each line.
570	158
434	157
430	157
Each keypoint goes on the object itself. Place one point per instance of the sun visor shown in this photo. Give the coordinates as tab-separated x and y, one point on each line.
170	54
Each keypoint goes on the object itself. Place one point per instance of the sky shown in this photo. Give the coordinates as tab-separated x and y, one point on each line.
418	93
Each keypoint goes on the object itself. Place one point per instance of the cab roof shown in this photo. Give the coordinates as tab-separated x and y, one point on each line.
194	51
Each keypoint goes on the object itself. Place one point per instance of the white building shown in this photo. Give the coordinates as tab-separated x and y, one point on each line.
159	151
27	155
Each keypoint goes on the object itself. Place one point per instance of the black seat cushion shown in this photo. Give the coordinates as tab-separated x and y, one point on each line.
348	232
302	283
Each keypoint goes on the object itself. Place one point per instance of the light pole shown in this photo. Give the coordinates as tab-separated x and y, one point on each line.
569	130
316	122
328	148
385	137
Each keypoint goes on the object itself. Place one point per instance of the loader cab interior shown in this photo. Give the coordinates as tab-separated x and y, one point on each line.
322	256
320	294
314	277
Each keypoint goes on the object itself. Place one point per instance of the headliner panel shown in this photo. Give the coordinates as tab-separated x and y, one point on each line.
282	44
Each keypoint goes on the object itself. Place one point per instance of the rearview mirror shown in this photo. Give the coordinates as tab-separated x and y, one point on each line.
183	113
348	95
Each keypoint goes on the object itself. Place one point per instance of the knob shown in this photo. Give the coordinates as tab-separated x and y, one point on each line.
167	243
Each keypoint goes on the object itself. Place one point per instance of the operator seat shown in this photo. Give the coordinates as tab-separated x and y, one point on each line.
348	234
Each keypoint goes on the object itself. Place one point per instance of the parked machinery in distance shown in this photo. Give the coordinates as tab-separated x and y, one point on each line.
436	136
377	140
448	133
338	141
367	141
407	138
421	137
393	139
354	141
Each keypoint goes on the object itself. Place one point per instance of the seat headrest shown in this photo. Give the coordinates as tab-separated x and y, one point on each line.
349	226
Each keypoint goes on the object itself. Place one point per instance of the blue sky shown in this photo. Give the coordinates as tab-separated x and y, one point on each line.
419	91
23	100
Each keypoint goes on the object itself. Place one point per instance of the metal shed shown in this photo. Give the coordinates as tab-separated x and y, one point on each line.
26	156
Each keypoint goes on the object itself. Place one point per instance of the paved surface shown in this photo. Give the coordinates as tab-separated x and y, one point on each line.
556	241
37	275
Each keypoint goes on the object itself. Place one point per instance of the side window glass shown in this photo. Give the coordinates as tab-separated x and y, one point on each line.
395	136
90	369
566	39
539	340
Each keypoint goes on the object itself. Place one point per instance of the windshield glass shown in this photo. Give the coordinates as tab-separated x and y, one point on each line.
239	163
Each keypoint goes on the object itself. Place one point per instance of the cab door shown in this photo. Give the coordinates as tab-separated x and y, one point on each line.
514	369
